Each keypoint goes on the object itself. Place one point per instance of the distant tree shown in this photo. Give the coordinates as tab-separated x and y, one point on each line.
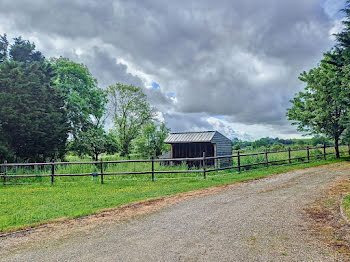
150	142
277	147
324	106
263	142
130	111
32	116
112	145
93	142
320	140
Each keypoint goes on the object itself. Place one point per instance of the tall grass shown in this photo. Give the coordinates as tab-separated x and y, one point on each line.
245	160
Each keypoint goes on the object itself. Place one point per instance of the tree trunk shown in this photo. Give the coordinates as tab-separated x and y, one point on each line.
96	157
336	146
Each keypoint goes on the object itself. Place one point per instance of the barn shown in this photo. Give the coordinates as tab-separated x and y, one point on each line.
193	144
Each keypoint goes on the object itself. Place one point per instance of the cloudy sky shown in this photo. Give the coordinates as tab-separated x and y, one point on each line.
220	65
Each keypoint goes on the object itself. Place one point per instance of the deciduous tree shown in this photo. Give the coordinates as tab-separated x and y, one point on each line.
150	142
130	111
324	106
85	102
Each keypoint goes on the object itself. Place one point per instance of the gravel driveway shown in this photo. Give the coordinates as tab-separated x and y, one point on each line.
262	220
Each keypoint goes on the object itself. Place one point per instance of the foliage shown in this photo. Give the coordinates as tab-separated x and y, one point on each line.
150	142
323	108
4	43
346	137
94	142
32	117
320	140
84	101
24	51
130	111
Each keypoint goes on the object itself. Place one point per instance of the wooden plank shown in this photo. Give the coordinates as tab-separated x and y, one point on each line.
239	161
178	172
52	173
152	169
5	171
101	170
204	173
289	156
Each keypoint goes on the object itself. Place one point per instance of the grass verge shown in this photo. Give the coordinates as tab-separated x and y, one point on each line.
326	219
33	204
346	206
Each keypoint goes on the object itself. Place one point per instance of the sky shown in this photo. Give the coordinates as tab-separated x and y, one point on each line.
223	65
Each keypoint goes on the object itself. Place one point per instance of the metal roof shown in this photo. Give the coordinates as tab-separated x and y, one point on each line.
190	137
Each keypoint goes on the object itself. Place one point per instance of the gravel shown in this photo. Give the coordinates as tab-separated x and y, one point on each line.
262	220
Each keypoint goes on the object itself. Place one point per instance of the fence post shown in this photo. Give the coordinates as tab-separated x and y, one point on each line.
324	152
266	158
152	169
101	169
308	154
239	161
52	173
5	172
289	156
204	171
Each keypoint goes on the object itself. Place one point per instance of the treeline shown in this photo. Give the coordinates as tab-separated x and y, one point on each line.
275	144
51	106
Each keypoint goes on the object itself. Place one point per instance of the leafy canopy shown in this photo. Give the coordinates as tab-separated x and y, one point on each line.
150	142
324	106
85	103
130	111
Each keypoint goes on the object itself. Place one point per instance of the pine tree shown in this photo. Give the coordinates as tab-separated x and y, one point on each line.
32	115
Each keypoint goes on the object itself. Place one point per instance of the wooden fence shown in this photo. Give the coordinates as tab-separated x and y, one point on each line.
203	160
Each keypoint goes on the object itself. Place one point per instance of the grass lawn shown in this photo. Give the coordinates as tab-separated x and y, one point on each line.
29	204
346	205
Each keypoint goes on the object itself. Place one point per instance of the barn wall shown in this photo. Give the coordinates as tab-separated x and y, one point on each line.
223	148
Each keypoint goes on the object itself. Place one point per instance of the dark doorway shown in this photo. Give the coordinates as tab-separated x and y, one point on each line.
190	150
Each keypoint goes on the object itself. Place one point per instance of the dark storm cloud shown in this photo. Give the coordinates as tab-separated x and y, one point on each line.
105	68
182	123
240	59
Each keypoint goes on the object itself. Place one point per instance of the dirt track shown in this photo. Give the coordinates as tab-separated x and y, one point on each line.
262	220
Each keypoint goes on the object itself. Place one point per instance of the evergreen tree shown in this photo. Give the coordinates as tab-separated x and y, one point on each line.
32	115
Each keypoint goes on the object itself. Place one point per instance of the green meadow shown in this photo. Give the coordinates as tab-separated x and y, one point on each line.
31	201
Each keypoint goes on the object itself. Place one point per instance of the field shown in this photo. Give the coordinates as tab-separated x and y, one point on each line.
245	160
31	201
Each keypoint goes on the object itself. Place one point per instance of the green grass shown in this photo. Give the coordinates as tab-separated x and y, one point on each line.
146	166
346	205
30	204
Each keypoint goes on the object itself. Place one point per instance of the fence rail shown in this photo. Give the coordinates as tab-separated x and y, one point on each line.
203	164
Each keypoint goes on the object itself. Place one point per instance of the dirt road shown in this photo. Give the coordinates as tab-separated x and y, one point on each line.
262	220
